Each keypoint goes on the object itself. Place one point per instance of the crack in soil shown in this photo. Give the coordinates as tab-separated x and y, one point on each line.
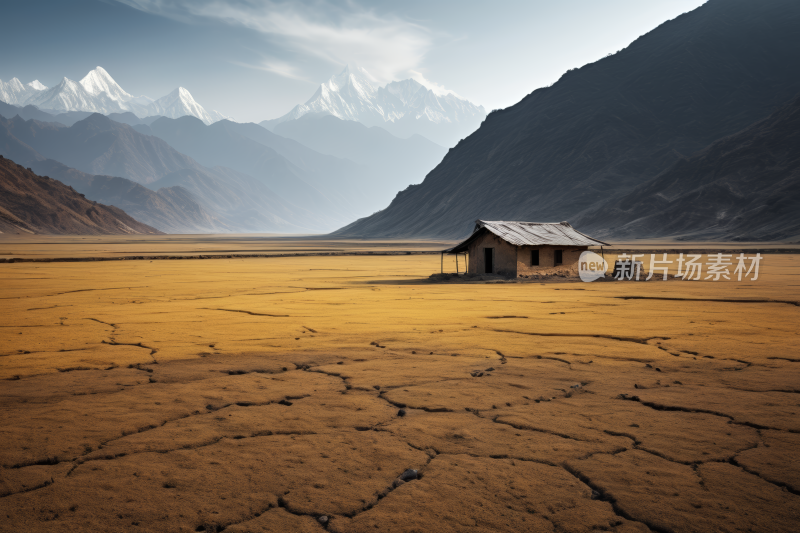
377	497
780	484
218	528
525	427
638	445
607	497
30	489
101	322
637	340
722	300
245	312
347	385
283	504
660	407
153	351
89	290
401	405
51	307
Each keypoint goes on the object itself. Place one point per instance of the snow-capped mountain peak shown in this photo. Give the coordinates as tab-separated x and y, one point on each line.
353	78
99	93
404	107
179	103
405	90
70	95
36	85
15	93
98	81
16	85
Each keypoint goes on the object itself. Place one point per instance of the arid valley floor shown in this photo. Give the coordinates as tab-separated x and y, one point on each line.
260	394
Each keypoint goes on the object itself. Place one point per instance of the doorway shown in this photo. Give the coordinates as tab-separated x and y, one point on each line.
488	263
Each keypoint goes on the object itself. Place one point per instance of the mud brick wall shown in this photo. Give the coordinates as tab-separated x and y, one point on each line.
505	256
570	256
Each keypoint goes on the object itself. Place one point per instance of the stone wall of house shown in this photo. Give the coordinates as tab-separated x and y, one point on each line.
569	262
505	256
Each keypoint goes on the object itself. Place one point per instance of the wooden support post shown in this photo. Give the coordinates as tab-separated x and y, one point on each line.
442	262
456	263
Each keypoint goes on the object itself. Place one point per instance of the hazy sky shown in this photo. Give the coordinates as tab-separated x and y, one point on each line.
255	59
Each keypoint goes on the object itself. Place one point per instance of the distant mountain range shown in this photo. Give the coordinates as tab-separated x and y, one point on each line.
688	133
183	176
98	145
151	207
40	204
633	144
97	92
403	108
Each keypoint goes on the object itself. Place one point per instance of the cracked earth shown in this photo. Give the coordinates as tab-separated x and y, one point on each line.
392	404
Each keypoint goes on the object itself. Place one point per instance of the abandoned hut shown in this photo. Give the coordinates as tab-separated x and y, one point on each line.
523	249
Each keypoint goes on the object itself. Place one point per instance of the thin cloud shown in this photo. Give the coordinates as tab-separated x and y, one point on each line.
386	46
438	90
280	68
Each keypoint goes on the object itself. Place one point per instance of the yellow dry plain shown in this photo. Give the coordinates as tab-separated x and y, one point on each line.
256	395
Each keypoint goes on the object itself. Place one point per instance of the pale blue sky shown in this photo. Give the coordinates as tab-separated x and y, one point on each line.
256	59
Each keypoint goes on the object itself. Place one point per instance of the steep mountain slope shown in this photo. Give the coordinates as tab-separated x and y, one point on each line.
405	107
743	187
99	81
36	204
609	126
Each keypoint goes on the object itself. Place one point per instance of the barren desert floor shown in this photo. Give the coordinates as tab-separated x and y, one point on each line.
290	394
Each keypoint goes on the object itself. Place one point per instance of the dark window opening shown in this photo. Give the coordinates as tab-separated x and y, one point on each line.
534	257
559	257
487	260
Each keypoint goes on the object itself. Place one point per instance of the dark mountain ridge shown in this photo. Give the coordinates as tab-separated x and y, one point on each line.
745	187
607	127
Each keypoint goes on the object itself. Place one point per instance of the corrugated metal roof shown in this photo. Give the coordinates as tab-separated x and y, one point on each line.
530	234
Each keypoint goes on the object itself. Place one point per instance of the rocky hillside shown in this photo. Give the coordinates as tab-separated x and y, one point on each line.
744	187
606	128
40	204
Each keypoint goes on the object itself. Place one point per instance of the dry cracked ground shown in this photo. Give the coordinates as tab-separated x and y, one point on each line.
293	394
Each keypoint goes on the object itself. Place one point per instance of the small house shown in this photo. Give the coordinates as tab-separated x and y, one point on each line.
524	249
